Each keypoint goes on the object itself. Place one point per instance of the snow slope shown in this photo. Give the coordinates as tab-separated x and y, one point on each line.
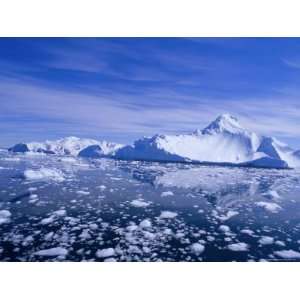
222	141
65	146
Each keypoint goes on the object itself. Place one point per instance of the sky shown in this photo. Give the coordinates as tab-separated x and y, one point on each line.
120	89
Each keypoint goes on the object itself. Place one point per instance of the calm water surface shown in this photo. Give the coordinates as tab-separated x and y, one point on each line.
69	209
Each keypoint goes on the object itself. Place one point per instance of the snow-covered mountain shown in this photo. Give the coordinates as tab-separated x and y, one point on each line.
66	146
222	141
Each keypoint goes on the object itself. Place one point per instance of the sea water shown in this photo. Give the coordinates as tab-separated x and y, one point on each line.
56	208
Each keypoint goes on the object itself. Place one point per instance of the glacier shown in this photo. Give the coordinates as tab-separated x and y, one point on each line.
224	141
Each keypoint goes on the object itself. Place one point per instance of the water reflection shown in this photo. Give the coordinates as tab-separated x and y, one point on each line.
146	211
223	187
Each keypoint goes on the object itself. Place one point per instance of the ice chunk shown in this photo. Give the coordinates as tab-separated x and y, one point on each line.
145	223
273	194
227	216
105	252
197	248
44	174
166	194
268	206
139	203
266	240
247	231
238	247
84	193
57	251
4	216
60	212
224	228
168	214
288	254
48	220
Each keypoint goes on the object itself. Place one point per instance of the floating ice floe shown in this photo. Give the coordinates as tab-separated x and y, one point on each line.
280	243
272	194
57	251
53	217
266	240
247	231
145	223
167	194
69	160
4	216
270	207
227	216
139	203
103	253
288	254
33	198
110	259
168	214
84	193
44	174
197	248
11	159
224	228
238	247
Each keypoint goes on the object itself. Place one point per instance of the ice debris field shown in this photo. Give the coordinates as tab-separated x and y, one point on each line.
71	208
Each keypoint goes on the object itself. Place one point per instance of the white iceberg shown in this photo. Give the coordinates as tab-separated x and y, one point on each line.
66	146
224	141
103	149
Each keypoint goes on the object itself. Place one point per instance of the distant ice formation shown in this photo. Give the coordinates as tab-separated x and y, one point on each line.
224	141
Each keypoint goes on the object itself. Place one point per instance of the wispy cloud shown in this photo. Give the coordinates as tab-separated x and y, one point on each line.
121	89
293	63
50	112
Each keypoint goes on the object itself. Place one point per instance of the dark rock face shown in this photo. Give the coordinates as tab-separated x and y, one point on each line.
19	148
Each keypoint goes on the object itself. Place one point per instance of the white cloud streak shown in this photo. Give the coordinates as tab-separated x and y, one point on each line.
25	106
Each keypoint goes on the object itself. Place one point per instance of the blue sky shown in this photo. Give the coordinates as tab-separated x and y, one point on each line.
120	89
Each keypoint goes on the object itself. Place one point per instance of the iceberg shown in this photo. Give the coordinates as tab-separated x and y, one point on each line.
103	149
19	148
224	141
66	146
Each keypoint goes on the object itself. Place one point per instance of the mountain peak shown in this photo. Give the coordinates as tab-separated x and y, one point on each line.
224	122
